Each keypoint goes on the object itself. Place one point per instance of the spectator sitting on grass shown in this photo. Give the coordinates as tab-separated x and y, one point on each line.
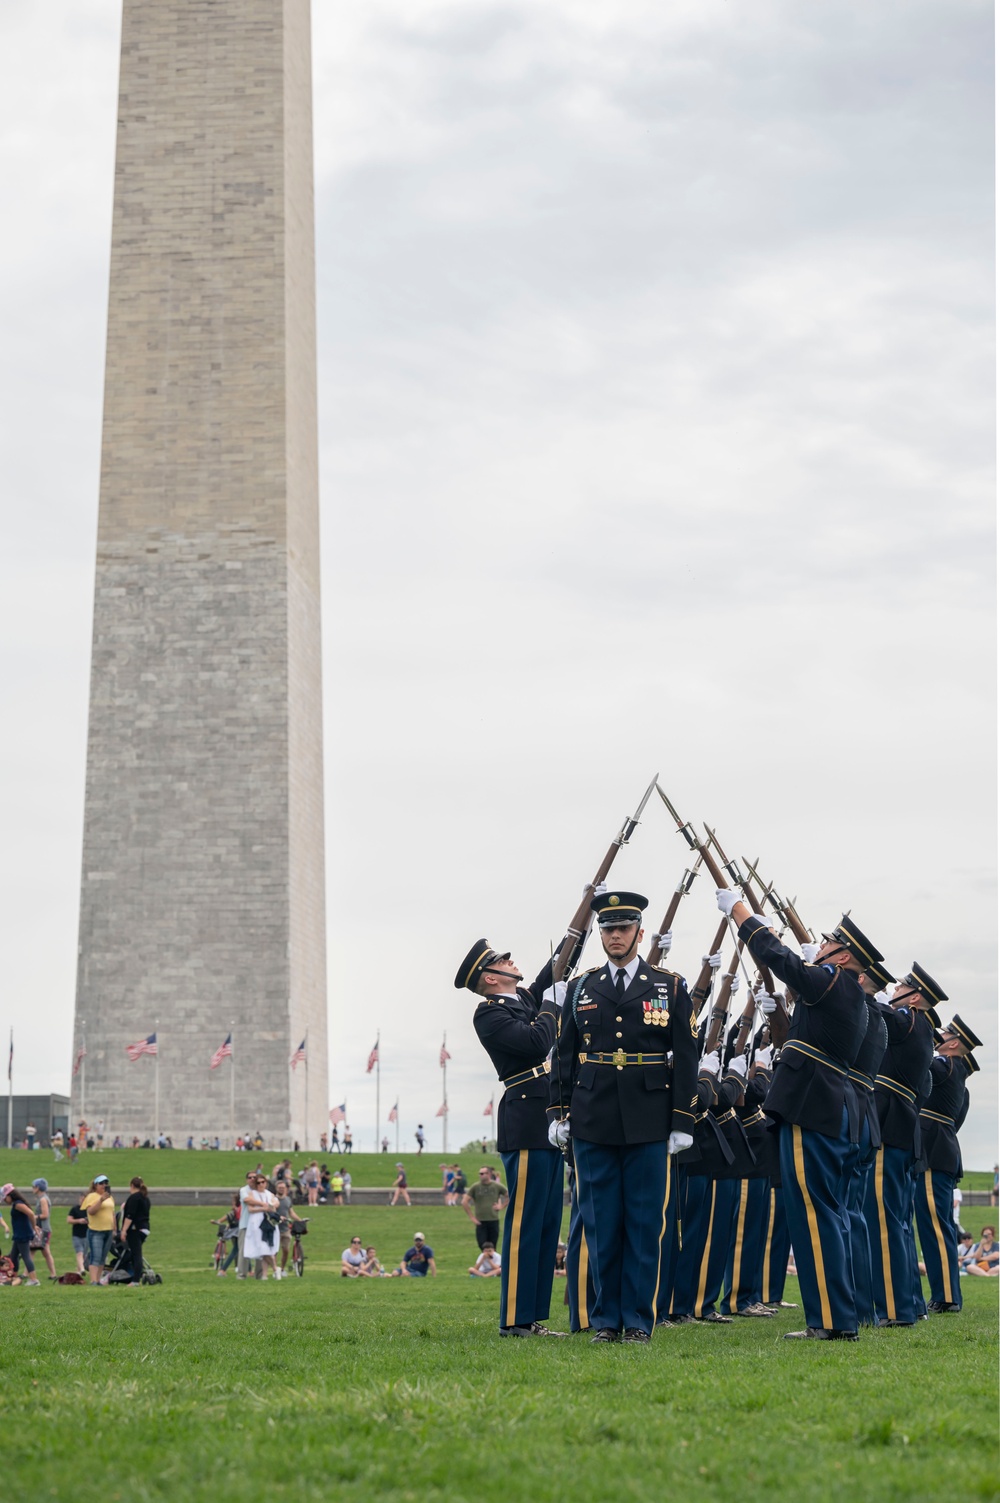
418	1260
984	1259
352	1260
560	1268
487	1265
371	1268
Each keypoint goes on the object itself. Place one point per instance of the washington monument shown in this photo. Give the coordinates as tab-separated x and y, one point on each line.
202	893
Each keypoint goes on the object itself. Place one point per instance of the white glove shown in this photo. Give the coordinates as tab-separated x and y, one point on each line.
596	891
556	994
766	918
559	1133
738	1065
762	1058
737	983
665	940
809	953
713	960
765	1002
710	1064
678	1141
727	899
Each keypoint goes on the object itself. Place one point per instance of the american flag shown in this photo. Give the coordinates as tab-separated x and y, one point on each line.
394	1113
338	1113
442	1110
81	1055
223	1052
372	1059
298	1056
140	1047
489	1110
443	1057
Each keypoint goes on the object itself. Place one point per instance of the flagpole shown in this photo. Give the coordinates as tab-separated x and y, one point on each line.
305	1143
232	1083
493	1131
10	1092
156	1085
444	1085
378	1086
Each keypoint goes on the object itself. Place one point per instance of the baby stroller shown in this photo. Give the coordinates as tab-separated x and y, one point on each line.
120	1271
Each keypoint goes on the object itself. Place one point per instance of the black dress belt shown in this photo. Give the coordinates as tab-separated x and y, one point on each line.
523	1075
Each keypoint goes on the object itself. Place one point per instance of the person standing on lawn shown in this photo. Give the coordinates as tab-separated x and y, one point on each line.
483	1203
516	1026
628	1112
22	1226
100	1208
813	1101
135	1225
43	1211
941	1117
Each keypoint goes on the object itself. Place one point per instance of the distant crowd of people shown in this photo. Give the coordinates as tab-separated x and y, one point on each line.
99	1231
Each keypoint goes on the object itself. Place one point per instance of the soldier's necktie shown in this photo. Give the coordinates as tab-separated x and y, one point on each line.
620	983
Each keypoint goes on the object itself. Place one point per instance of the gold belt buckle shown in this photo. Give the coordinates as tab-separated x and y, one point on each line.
618	1058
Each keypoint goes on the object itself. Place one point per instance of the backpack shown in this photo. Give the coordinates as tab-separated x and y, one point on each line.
71	1278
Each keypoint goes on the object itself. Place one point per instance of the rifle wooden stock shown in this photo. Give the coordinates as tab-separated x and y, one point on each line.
716	1024
579	924
703	985
795	924
681	890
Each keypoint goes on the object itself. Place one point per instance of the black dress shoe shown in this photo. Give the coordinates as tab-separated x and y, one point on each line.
757	1310
816	1333
941	1307
605	1335
539	1330
682	1320
905	1325
715	1319
636	1336
518	1331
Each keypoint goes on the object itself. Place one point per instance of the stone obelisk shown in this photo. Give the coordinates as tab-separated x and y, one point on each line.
202	903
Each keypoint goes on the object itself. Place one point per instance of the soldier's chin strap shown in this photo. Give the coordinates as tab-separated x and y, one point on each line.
512	976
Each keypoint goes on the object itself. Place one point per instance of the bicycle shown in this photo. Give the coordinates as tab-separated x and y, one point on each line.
222	1248
299	1229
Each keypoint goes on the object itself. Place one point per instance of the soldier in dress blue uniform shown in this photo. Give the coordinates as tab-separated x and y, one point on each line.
901	1084
941	1117
810	1098
743	1291
628	1111
861	1161
517	1028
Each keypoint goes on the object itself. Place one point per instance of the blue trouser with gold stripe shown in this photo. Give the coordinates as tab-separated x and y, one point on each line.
777	1246
919	1303
531	1227
889	1214
939	1236
745	1265
579	1275
673	1233
707	1222
623	1200
860	1159
813	1176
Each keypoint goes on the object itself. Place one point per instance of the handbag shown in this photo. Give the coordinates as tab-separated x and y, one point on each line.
37	1239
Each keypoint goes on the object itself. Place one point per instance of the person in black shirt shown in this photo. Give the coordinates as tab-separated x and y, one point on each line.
135	1225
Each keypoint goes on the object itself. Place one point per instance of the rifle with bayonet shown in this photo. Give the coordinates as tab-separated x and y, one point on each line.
680	891
785	909
579	925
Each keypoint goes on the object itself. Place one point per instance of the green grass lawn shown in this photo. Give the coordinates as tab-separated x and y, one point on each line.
181	1167
401	1389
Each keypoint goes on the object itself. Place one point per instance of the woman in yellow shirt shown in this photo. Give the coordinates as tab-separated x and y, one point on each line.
100	1211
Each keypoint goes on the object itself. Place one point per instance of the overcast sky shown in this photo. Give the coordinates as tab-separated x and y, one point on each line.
656	363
